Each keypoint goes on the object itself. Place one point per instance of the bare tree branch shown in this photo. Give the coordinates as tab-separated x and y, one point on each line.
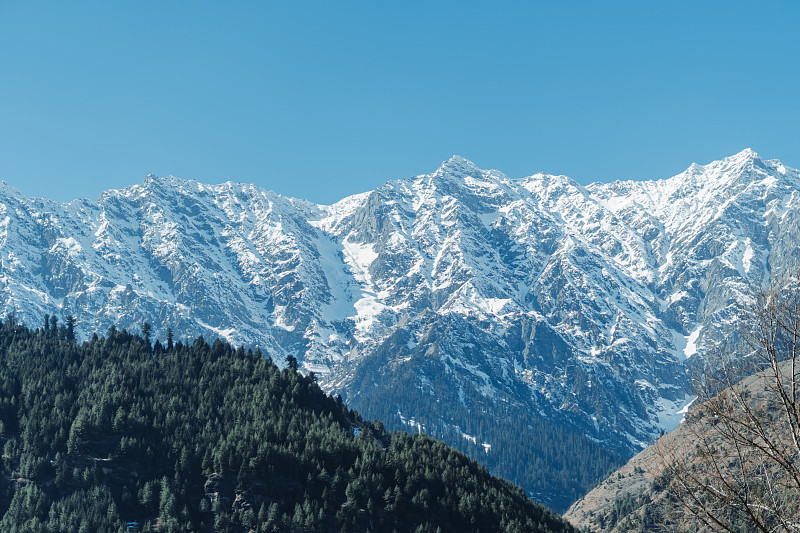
740	471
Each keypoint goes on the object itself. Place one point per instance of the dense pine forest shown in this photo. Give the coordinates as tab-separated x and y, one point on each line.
122	434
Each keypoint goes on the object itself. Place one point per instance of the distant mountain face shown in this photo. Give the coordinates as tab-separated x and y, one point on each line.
457	303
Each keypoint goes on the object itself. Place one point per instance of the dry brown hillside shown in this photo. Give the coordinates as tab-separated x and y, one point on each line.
658	490
630	499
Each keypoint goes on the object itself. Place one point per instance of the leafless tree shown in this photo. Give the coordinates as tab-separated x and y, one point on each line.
739	468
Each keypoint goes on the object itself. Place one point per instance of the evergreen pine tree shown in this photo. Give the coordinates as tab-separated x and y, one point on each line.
70	335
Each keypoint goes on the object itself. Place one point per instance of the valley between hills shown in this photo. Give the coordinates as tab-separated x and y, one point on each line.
546	329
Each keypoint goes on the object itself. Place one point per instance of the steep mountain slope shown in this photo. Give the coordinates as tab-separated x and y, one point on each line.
211	438
447	302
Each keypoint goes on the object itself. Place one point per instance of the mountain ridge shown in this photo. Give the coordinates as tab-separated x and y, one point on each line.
581	306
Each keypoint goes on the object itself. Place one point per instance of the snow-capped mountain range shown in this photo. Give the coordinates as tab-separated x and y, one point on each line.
571	303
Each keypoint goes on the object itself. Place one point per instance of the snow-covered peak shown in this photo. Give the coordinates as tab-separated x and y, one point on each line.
748	154
150	184
457	166
9	191
736	166
552	185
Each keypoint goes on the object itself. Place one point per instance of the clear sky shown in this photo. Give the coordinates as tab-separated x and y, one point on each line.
324	99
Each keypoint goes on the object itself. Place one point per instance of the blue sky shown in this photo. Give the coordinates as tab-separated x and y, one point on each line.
324	99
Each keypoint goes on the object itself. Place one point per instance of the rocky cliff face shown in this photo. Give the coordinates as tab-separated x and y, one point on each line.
440	302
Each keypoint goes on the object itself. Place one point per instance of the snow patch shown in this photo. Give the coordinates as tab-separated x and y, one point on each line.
69	246
359	257
671	413
685	345
691	343
747	257
223	333
685	409
411	423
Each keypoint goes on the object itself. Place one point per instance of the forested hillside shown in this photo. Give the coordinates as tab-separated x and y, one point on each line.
558	465
118	434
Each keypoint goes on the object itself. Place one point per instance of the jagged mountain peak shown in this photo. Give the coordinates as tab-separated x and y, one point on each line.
748	154
8	190
152	184
461	167
551	184
456	162
153	181
741	161
718	172
191	194
697	192
726	171
458	167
